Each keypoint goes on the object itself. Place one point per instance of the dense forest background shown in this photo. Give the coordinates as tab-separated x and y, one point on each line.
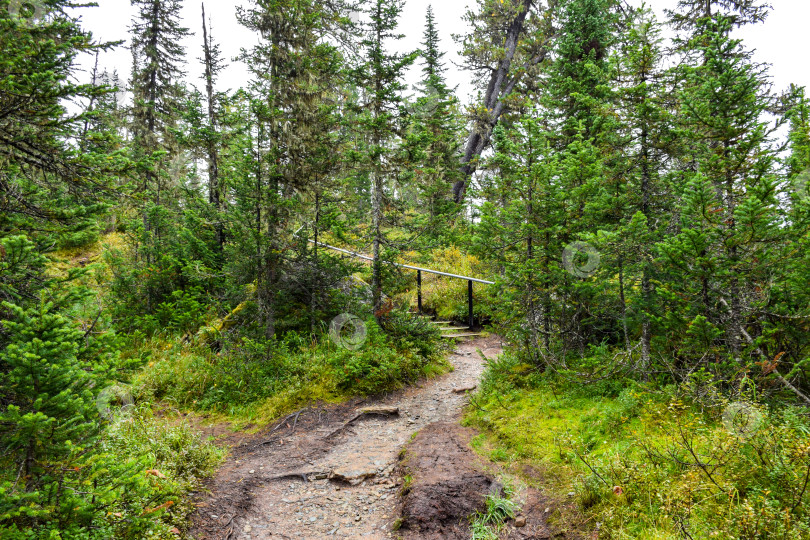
641	203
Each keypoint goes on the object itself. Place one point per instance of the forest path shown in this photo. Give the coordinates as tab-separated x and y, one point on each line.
316	476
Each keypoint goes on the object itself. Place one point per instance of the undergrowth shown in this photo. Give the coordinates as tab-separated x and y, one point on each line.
651	464
254	381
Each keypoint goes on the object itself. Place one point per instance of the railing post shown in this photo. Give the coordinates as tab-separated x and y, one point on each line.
419	289
470	301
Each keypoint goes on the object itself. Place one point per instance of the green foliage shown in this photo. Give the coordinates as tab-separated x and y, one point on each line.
487	524
447	297
170	447
252	378
408	332
378	367
63	473
616	376
653	463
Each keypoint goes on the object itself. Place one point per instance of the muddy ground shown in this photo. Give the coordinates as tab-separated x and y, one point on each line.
335	472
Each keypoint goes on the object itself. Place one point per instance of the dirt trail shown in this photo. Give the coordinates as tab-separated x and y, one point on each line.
313	478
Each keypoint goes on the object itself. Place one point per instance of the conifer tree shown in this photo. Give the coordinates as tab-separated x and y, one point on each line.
158	62
505	49
520	227
45	182
213	65
434	138
579	101
296	71
379	77
723	98
645	151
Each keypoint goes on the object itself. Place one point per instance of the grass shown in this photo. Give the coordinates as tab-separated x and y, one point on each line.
648	464
488	524
251	384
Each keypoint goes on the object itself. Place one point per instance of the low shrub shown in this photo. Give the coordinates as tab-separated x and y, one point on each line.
651	464
259	378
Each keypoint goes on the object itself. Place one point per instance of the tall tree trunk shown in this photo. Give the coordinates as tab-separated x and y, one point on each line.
93	82
623	300
735	322
214	189
646	284
314	292
376	217
499	87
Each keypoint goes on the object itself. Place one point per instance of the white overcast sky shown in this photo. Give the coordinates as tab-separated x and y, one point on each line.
781	41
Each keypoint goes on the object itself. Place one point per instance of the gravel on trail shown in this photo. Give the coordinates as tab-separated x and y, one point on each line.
332	472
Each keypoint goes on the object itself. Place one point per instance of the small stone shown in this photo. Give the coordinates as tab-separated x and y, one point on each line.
357	518
251	471
547	510
247	529
520	521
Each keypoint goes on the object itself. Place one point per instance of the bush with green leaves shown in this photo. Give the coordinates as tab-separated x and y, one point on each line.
410	332
256	377
65	474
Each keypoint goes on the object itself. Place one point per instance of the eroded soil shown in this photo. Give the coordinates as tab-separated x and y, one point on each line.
314	476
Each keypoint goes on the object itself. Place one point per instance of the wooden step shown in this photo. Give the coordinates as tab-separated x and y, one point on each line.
440	322
456	336
455	328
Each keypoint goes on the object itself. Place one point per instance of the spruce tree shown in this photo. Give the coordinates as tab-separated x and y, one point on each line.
434	137
213	65
520	229
723	97
45	181
579	100
158	62
645	152
379	77
296	71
